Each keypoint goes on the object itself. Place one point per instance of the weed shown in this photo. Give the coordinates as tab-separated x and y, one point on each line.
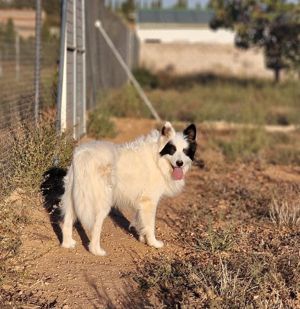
124	102
99	124
245	144
33	151
284	155
147	79
208	98
285	212
212	98
220	240
243	281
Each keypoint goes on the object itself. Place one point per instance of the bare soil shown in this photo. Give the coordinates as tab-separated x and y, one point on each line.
54	277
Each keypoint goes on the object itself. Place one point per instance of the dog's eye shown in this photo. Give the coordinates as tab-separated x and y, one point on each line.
169	149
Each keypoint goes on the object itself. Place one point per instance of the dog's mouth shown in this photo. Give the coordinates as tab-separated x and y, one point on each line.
177	173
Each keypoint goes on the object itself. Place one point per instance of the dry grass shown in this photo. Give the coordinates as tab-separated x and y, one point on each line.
209	97
33	150
285	212
246	145
233	255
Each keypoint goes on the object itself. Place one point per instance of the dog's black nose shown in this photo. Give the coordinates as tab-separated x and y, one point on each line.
179	163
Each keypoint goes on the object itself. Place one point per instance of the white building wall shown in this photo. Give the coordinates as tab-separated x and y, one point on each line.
205	35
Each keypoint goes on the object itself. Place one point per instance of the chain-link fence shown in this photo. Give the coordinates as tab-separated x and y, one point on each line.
103	69
29	68
88	66
24	73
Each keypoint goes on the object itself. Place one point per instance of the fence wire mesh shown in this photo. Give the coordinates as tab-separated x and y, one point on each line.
103	69
18	82
18	62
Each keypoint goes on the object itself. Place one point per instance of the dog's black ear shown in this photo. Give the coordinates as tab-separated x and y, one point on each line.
190	132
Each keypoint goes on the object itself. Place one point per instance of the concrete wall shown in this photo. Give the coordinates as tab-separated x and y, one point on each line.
189	35
179	58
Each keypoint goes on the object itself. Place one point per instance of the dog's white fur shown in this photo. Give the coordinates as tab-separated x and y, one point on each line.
104	174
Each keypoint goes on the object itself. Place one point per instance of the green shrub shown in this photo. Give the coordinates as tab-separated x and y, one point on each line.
124	102
146	78
245	144
99	124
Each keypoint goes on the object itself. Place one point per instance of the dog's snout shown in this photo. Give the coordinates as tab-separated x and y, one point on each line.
179	163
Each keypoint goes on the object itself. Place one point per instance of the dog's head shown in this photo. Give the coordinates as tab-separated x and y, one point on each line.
178	149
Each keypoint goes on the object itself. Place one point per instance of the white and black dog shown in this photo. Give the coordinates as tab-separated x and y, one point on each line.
135	175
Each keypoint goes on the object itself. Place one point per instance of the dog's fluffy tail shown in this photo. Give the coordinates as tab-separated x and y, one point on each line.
52	188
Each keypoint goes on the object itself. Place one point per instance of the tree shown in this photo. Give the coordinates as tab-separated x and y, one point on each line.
273	25
181	4
128	9
9	32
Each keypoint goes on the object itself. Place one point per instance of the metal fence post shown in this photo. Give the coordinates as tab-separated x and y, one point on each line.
61	102
38	25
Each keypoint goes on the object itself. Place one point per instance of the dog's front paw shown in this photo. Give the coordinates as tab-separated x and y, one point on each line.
156	243
97	251
70	244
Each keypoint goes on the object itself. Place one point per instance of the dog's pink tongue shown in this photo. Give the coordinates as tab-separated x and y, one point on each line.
177	173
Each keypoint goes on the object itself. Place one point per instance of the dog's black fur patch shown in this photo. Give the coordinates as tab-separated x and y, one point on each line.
169	149
52	187
191	150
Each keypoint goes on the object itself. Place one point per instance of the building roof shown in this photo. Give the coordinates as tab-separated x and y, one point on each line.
173	16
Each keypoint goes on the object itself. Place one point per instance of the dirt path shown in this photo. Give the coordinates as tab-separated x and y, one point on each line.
77	279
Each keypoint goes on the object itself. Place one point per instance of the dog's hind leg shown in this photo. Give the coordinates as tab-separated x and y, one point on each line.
147	215
69	214
94	245
102	201
68	241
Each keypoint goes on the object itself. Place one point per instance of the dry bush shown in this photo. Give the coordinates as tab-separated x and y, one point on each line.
241	281
35	149
232	255
285	212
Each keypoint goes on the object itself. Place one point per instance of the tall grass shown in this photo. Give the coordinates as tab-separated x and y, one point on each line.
34	149
210	98
259	103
